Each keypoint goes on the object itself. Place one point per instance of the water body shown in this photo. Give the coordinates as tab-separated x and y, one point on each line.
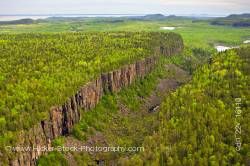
168	28
222	48
35	17
246	41
11	18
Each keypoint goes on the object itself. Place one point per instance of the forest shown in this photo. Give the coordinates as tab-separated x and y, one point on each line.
196	124
191	108
241	20
39	71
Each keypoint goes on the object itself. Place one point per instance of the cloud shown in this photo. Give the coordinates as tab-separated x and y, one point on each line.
204	3
213	7
123	6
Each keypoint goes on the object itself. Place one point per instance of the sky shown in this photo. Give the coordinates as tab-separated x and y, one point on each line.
177	7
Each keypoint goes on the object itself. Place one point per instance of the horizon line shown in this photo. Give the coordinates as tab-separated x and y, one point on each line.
132	14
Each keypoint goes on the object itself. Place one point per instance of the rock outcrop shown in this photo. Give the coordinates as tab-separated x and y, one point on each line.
62	118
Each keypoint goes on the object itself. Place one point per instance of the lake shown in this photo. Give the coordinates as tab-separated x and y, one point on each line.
35	17
168	28
11	18
222	48
246	41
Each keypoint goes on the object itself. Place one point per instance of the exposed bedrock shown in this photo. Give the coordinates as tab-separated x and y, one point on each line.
62	118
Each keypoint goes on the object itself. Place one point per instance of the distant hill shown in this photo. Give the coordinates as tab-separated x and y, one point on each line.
59	18
111	19
159	17
154	16
150	17
21	21
241	20
246	16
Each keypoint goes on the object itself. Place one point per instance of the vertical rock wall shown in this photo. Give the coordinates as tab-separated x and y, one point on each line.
62	118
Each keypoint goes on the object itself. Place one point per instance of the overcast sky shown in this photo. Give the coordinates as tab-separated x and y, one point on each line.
211	7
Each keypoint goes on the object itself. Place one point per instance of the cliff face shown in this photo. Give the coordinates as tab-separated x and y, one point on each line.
62	118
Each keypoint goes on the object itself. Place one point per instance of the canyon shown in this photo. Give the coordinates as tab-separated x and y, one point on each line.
62	118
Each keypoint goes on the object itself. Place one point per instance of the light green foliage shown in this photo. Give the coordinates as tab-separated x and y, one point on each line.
58	142
39	71
198	120
121	118
52	159
195	125
195	34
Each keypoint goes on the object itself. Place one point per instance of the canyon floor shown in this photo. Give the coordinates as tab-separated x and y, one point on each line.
118	126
